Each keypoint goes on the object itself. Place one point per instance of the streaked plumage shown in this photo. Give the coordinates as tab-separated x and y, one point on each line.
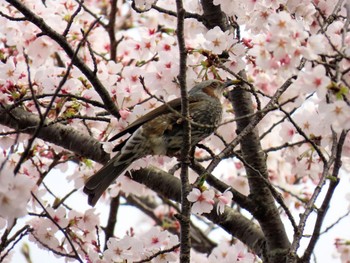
160	132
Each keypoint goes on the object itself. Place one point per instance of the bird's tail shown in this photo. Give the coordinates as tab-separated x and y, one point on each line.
99	182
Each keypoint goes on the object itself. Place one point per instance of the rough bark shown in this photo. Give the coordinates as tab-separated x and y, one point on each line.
277	243
65	136
266	211
157	180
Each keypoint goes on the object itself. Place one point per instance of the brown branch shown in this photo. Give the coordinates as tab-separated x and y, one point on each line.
213	16
78	62
184	217
111	30
311	203
322	211
67	236
231	221
62	135
112	219
49	107
265	211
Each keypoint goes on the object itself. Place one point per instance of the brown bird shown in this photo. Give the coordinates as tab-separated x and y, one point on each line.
160	132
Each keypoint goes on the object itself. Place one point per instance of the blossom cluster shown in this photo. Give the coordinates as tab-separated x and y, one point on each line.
280	40
14	195
136	248
203	201
66	232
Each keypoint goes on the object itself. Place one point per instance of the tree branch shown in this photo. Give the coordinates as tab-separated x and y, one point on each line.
231	221
77	61
322	211
157	180
61	135
185	240
213	16
112	219
311	203
265	211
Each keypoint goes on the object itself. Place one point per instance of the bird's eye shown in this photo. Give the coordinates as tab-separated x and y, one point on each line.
215	84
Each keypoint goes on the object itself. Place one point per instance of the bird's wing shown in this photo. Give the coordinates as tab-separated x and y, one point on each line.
163	109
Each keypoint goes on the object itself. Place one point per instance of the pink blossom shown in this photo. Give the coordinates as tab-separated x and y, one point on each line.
126	185
343	248
217	40
203	201
128	248
225	199
14	194
84	224
156	239
227	253
58	216
336	114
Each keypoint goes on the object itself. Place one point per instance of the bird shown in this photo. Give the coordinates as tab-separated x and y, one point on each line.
160	132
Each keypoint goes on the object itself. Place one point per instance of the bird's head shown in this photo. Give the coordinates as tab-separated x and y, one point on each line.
213	88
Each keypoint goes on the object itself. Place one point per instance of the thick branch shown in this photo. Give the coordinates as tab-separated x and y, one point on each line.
266	211
157	180
231	221
61	135
213	16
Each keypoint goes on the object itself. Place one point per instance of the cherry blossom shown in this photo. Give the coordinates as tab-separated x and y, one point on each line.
58	216
296	57
343	249
14	194
217	41
142	246
337	113
128	248
202	201
231	253
224	199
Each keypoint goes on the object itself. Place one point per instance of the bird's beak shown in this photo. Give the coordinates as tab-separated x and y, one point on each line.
229	83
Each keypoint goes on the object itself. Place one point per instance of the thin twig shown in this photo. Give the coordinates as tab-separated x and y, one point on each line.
303	134
335	223
310	204
20	234
42	119
72	17
30	84
47	214
77	61
161	252
278	197
270	105
184	217
322	211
